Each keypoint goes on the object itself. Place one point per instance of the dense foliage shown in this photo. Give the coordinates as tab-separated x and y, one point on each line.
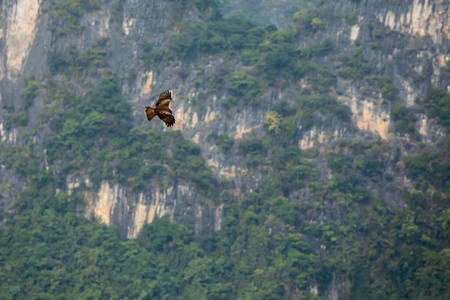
431	168
311	223
259	253
256	11
271	52
438	103
66	14
48	252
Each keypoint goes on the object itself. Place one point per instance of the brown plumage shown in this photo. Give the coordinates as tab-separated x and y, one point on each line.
162	109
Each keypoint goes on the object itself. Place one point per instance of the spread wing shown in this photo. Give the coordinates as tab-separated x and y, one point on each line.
150	113
166	116
164	99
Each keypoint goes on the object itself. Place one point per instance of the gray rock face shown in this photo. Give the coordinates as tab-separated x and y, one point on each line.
421	26
114	204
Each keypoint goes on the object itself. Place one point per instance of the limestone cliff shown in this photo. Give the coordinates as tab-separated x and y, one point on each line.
385	30
18	33
117	205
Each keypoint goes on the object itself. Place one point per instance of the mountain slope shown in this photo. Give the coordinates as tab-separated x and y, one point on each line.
309	162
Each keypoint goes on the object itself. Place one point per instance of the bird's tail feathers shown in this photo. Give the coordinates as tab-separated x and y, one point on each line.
150	112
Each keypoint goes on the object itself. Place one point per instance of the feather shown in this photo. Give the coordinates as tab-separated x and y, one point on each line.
164	99
149	113
162	109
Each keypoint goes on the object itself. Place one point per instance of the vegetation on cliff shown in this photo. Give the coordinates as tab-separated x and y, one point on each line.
313	220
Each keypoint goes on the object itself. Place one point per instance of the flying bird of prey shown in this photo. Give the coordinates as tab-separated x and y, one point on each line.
162	109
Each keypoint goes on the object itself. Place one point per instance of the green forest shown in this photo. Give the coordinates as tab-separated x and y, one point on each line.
268	247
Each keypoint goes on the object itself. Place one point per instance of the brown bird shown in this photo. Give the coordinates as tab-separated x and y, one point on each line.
162	109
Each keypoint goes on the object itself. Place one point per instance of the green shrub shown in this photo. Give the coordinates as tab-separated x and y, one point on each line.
438	103
245	87
151	56
351	18
31	90
430	167
217	80
57	63
303	67
284	109
182	45
277	54
387	87
251	147
371	166
19	119
253	150
79	65
339	163
316	49
308	106
307	21
67	13
324	81
405	121
355	67
317	24
375	46
249	56
223	141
